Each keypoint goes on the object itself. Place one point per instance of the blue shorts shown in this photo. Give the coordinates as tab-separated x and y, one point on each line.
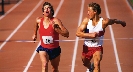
53	53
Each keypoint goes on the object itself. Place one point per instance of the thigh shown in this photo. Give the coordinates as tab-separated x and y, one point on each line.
97	56
44	56
55	62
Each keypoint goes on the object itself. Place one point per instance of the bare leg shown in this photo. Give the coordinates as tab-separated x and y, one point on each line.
44	59
55	64
97	56
86	62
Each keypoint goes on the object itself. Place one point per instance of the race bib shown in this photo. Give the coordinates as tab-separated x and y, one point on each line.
47	39
91	43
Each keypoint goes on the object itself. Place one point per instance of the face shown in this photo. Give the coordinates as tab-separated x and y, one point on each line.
47	10
91	13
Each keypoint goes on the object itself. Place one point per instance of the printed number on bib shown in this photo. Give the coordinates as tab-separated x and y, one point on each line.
91	43
47	39
94	42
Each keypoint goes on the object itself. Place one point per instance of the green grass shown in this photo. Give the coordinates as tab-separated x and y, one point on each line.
131	3
131	0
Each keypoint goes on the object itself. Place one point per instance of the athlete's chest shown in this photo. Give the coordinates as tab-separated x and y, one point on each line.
47	30
91	28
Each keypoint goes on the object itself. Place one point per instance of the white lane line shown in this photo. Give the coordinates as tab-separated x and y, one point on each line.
129	5
34	53
25	19
77	38
113	39
11	9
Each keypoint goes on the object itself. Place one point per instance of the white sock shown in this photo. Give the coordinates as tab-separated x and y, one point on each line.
87	70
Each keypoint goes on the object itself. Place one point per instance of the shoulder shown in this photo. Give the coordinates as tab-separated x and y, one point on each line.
86	19
84	23
38	19
56	19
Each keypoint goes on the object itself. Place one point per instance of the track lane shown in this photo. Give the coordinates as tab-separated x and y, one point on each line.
11	53
124	47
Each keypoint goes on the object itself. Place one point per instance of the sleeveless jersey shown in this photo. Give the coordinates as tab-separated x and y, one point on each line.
98	41
47	36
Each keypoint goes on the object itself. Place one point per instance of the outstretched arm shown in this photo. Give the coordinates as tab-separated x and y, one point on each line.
81	29
108	21
58	26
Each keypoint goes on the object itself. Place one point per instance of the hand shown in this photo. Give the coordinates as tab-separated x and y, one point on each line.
66	35
101	33
123	23
94	35
34	37
56	26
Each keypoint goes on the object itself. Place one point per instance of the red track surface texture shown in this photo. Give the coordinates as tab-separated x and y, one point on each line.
17	25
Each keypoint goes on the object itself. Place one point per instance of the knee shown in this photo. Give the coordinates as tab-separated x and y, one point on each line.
45	65
55	69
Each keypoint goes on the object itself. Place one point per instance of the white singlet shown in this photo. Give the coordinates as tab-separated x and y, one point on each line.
94	42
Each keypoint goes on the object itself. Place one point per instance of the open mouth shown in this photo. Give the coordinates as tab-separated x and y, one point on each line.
47	12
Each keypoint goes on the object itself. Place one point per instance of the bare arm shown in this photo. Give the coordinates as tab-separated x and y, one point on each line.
36	26
108	21
81	29
58	26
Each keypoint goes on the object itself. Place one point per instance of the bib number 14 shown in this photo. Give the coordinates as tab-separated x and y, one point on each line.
47	39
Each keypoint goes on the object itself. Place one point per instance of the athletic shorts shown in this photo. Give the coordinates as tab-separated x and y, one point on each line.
89	51
53	53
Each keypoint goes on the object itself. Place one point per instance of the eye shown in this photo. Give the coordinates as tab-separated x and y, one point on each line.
44	7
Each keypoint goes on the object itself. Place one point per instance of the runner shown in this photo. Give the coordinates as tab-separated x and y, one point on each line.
92	29
49	29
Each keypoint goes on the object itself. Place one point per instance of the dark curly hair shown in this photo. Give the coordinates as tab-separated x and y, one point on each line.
51	7
95	7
